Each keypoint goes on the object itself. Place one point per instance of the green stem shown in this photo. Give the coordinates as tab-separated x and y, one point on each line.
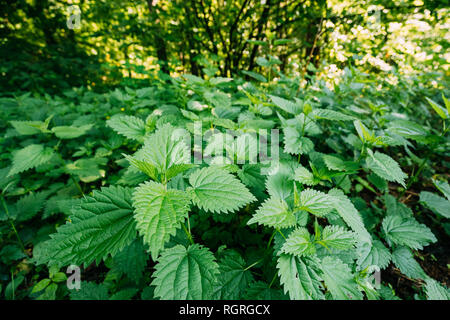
188	234
273	279
362	152
270	240
13	286
340	181
254	264
12	224
281	234
78	185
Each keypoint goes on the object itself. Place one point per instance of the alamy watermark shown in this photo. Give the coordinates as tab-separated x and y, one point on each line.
74	277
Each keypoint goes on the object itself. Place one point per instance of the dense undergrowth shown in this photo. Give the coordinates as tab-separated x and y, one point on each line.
111	182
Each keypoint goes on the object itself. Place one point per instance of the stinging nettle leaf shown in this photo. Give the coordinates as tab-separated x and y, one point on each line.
436	203
294	143
233	279
386	167
159	213
331	115
299	243
337	237
349	214
285	105
304	176
216	190
275	213
435	291
407	231
300	277
315	202
129	126
69	132
185	273
30	157
165	149
444	187
375	254
443	113
339	280
100	225
403	259
132	260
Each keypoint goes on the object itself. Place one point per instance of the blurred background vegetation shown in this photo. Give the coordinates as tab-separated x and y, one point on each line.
133	41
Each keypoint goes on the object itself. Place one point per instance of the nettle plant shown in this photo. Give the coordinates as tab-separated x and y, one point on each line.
310	239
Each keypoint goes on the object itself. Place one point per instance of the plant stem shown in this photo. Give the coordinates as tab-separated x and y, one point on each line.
78	185
273	279
254	264
12	224
188	234
270	240
281	234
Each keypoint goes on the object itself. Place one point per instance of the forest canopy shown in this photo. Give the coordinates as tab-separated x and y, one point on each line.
136	39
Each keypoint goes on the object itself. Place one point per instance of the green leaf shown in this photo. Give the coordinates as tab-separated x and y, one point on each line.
90	291
87	170
165	148
129	126
437	204
443	187
159	212
363	132
218	99
59	277
408	129
185	273
403	259
315	202
446	102
275	213
331	115
41	285
30	157
294	143
435	291
407	231
349	214
304	176
337	237
233	279
101	225
177	169
216	190
443	113
394	207
300	277
386	167
28	206
335	163
299	243
286	105
339	279
125	294
143	166
132	260
68	132
260	290
376	254
254	75
31	127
